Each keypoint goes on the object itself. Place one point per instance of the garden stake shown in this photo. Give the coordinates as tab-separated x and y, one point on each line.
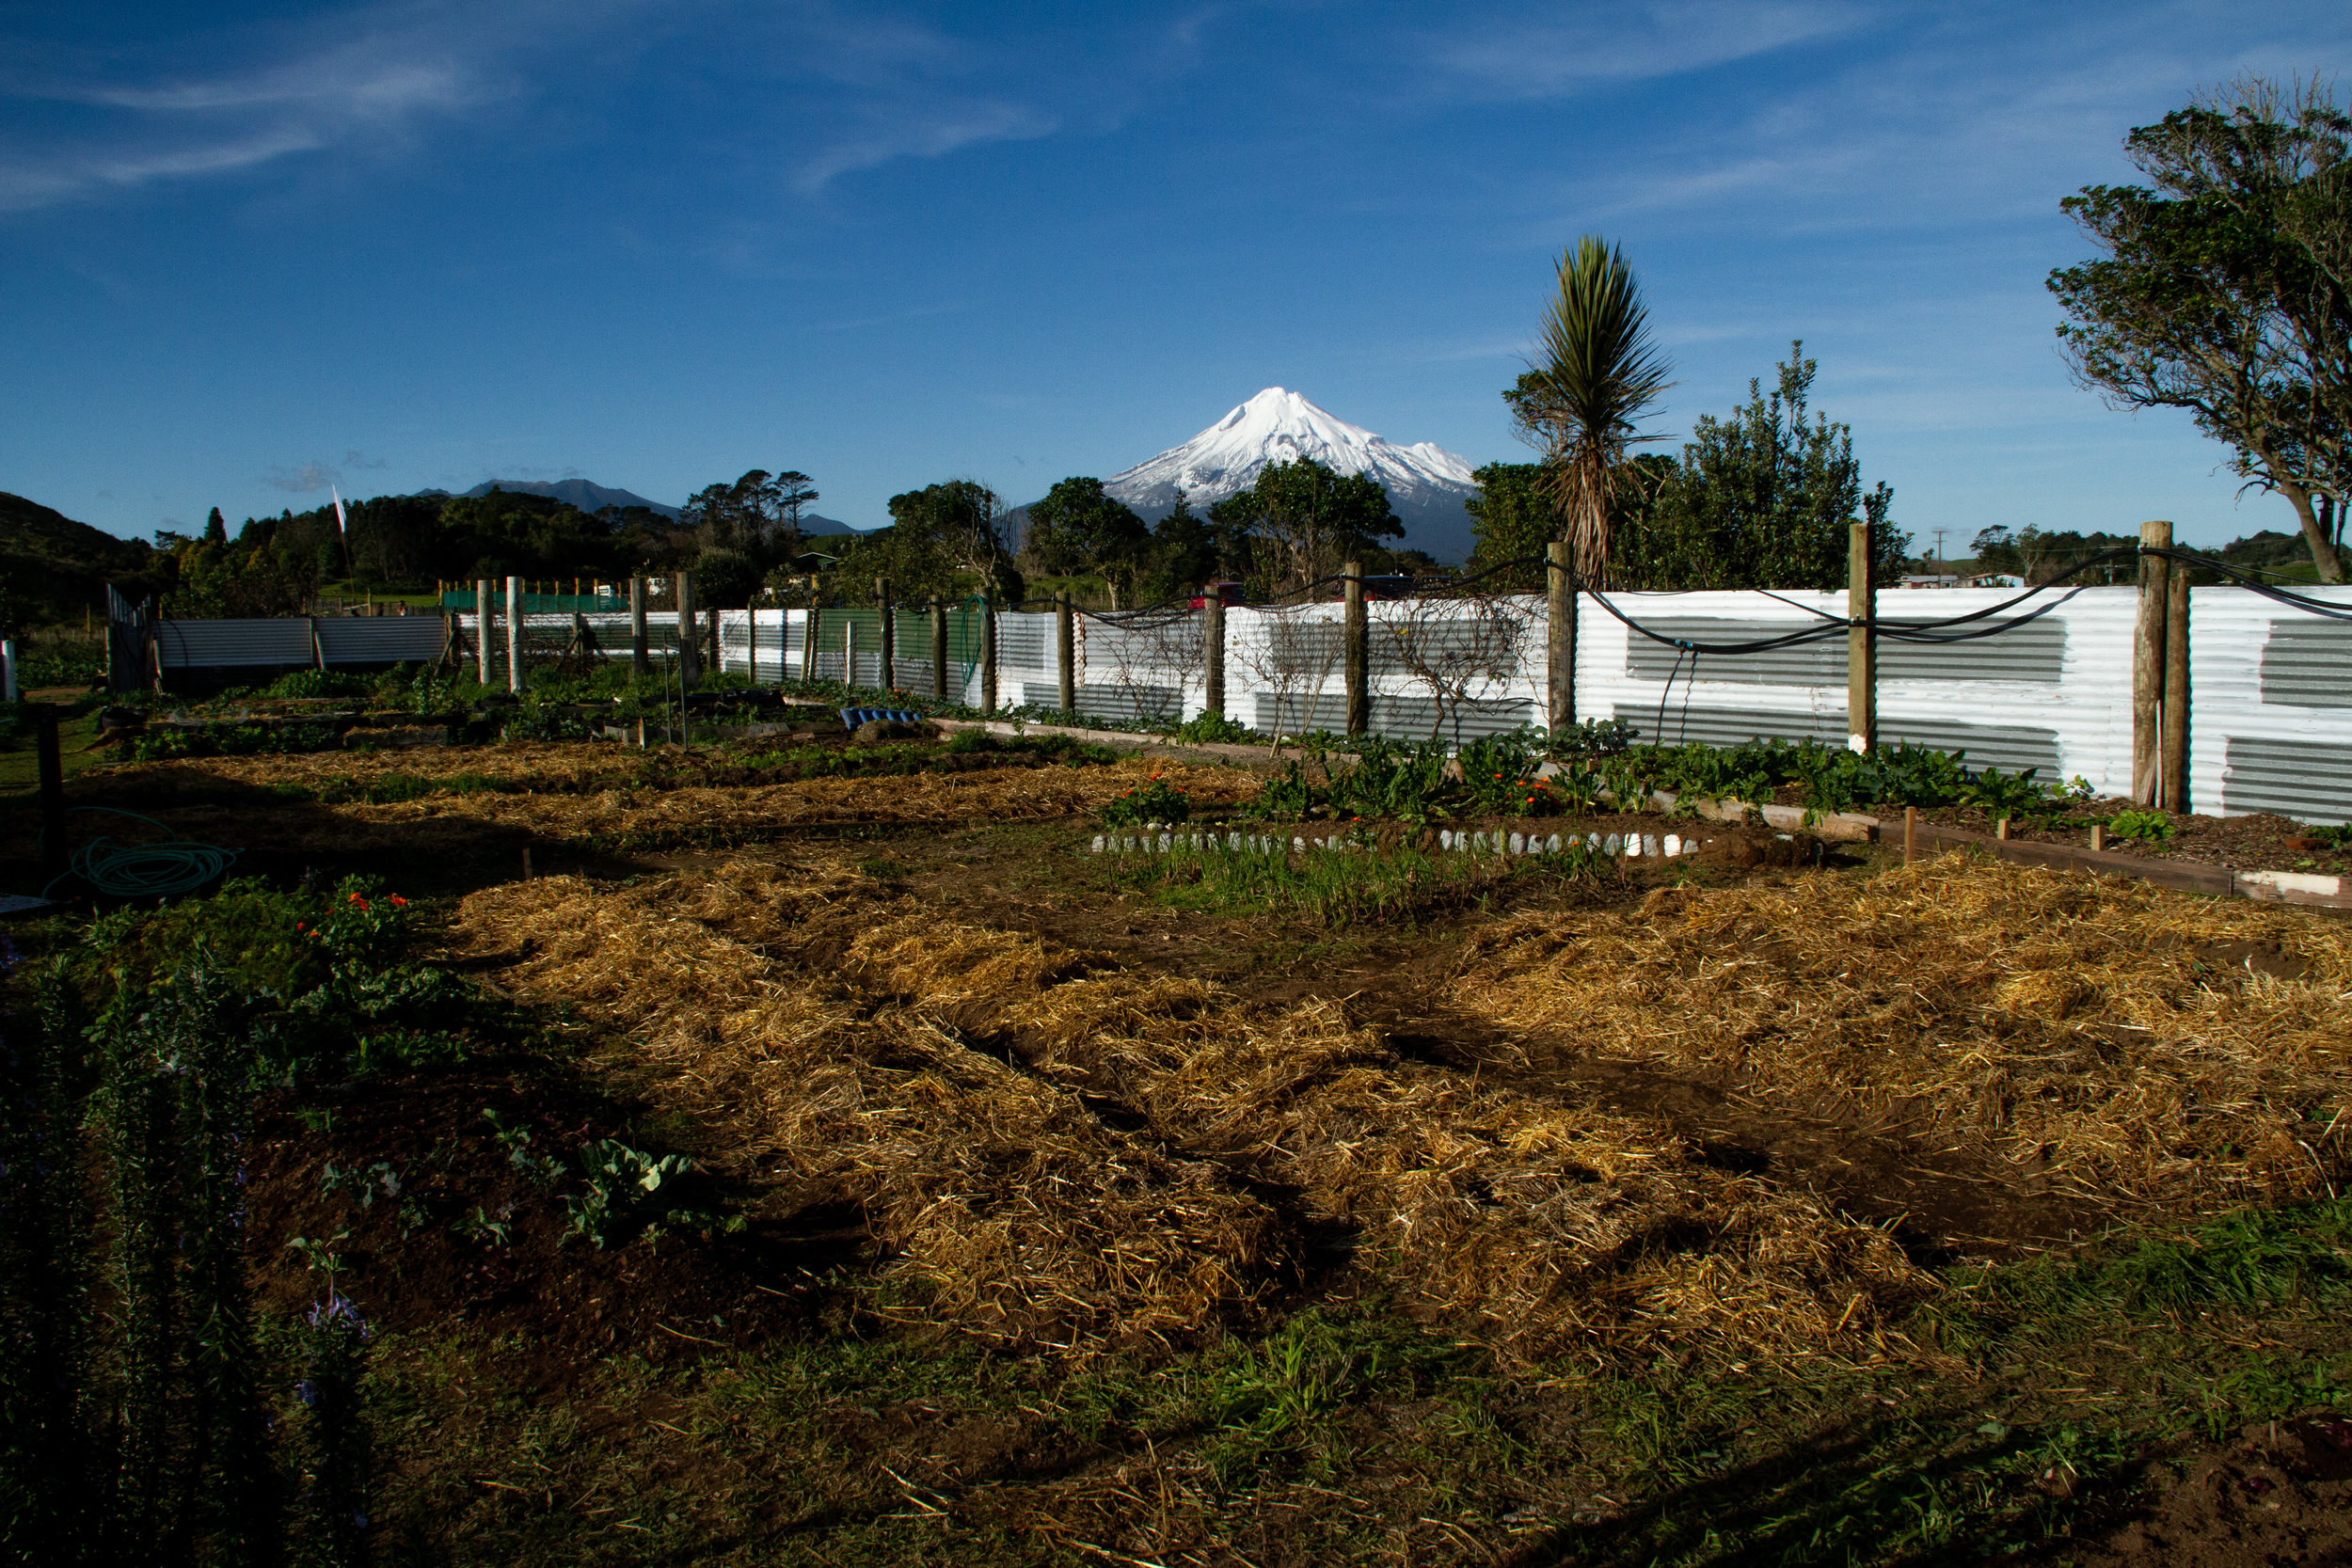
1911	834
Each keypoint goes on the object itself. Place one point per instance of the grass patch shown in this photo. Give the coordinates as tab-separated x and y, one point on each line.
1404	885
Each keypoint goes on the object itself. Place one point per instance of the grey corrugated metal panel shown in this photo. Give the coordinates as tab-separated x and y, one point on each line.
1142	703
1296	713
2308	781
2306	663
381	639
1804	665
2033	653
1728	726
1396	646
2010	747
1025	641
233	644
2231	633
1427	718
1169	654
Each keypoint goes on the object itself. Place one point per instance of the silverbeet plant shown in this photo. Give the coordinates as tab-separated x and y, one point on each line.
630	1194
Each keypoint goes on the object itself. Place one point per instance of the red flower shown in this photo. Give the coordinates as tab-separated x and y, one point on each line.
398	902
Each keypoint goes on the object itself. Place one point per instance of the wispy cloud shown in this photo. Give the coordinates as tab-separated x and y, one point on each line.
129	120
307	477
925	130
1554	53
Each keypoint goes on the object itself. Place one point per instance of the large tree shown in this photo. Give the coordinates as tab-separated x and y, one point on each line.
1515	516
1304	519
2224	287
1081	528
1599	374
1762	500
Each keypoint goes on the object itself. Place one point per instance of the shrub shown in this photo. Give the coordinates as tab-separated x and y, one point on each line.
1211	729
1155	801
2140	826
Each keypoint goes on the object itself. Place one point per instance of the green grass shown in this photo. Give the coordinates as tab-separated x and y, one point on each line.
1340	888
1344	1426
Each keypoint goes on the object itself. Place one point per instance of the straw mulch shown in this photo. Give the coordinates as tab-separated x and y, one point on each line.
1016	1213
633	817
2105	1037
1539	1227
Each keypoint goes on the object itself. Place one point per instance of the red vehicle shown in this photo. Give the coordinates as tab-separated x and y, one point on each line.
1226	593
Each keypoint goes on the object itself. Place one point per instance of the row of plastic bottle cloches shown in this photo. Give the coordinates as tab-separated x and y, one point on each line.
1155	839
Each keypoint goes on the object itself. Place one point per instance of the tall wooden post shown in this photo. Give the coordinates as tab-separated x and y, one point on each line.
1212	650
988	652
484	620
939	650
889	635
639	653
1357	632
689	653
2147	642
514	634
1066	650
810	631
1558	640
2176	693
849	651
1862	642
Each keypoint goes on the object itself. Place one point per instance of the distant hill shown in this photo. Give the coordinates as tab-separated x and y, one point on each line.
585	494
56	566
590	497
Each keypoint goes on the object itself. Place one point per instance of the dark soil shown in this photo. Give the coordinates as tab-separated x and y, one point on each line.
2281	1494
2255	843
426	1160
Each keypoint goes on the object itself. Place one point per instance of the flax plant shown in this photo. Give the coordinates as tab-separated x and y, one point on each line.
1600	373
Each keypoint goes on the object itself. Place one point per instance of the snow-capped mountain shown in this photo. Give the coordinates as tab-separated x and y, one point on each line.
1427	484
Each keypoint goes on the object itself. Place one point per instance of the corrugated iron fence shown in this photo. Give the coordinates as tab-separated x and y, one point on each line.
2271	727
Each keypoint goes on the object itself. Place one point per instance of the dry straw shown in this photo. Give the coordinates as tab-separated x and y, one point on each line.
1540	1227
1018	1213
2141	1049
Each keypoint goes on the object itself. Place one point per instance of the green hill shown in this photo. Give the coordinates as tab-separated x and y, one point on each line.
53	567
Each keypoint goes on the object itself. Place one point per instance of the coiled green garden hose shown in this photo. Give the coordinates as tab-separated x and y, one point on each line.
143	870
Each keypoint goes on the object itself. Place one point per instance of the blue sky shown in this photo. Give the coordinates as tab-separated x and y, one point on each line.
247	250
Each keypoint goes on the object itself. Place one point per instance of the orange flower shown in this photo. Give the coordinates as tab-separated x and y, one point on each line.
398	902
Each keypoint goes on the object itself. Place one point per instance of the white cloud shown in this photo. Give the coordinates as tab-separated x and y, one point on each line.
1555	55
361	77
309	477
911	131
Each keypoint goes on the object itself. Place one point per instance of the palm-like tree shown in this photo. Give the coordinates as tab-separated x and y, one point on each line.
1601	374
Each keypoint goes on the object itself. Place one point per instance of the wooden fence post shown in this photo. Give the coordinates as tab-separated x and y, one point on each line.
483	622
849	651
514	634
1861	631
1558	640
1066	650
2148	640
2176	693
810	631
988	652
639	654
889	636
1357	630
1212	650
689	655
939	650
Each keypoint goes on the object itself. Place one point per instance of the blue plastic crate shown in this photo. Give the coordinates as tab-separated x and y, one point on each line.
853	717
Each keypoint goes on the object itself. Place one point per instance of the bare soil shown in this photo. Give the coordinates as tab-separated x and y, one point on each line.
2253	843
